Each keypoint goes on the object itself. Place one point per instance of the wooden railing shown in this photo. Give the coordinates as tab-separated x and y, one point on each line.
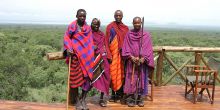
162	55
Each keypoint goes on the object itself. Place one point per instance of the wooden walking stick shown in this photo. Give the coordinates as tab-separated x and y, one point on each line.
132	76
139	64
68	85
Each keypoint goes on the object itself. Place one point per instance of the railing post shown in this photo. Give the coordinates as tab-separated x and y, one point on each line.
159	68
198	57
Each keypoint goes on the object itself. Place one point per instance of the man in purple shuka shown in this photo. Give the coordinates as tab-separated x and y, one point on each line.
138	52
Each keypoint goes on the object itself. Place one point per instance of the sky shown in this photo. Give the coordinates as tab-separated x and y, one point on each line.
155	12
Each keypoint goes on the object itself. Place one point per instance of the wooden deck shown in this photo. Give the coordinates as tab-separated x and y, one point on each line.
166	98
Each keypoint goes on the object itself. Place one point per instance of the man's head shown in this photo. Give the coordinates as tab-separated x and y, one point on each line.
137	23
81	16
118	16
95	24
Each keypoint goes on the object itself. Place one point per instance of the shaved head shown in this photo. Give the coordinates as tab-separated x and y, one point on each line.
137	23
118	16
80	11
118	12
137	19
95	20
81	17
95	25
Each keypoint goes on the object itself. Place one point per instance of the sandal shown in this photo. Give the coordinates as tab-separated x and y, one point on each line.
112	98
140	101
131	101
102	103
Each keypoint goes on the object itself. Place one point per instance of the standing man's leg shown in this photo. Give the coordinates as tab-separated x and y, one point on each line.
131	100
78	101
85	89
102	102
83	99
140	101
119	94
112	98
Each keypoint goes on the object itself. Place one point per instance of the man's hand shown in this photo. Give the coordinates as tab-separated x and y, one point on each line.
134	59
69	53
141	60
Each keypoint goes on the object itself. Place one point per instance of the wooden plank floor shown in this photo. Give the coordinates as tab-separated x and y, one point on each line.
166	98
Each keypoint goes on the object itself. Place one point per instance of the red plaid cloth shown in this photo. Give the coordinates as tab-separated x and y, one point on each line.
76	75
81	42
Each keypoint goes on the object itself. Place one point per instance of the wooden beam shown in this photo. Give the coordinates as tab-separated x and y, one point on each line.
155	58
171	77
174	66
198	58
186	49
55	56
59	55
206	64
159	68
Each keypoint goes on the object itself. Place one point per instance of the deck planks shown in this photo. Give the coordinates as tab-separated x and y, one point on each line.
169	97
